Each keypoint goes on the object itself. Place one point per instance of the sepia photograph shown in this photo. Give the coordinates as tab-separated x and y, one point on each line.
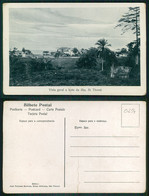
67	45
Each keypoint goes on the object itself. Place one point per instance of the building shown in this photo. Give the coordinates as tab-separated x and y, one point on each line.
38	56
83	51
46	54
27	53
65	51
53	54
18	53
21	53
15	52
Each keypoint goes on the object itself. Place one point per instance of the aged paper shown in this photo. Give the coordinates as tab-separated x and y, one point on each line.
74	49
74	147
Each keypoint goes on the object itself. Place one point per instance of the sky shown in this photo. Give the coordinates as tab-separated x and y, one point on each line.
51	28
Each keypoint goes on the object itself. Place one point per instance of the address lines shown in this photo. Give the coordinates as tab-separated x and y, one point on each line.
110	136
107	146
112	182
103	146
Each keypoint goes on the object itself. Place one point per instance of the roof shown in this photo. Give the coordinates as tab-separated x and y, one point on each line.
45	51
27	51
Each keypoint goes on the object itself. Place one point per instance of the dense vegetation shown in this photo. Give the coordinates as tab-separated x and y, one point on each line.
61	72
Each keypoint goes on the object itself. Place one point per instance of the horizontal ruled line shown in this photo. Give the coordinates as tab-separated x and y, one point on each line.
105	146
113	182
105	156
81	136
113	171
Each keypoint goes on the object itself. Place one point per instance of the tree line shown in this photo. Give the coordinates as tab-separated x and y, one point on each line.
104	56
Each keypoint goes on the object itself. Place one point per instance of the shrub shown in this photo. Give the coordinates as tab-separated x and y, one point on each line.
88	60
40	65
26	66
16	67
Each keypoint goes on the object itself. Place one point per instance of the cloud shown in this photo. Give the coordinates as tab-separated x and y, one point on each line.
54	27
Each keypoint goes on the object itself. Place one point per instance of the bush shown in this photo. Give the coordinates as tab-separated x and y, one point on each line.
88	60
41	64
26	66
16	67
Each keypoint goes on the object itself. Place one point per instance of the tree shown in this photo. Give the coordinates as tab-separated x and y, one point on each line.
83	51
23	50
122	51
15	49
57	54
29	52
102	44
111	59
88	59
75	51
132	53
131	21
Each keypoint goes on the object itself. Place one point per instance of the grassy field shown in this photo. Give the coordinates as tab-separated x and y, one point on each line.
63	72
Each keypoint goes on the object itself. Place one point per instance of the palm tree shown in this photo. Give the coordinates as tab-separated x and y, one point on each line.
102	44
57	54
23	50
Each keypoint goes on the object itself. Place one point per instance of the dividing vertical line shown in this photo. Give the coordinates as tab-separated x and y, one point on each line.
64	149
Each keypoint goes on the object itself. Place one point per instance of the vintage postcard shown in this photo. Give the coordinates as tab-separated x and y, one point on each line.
74	49
74	147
